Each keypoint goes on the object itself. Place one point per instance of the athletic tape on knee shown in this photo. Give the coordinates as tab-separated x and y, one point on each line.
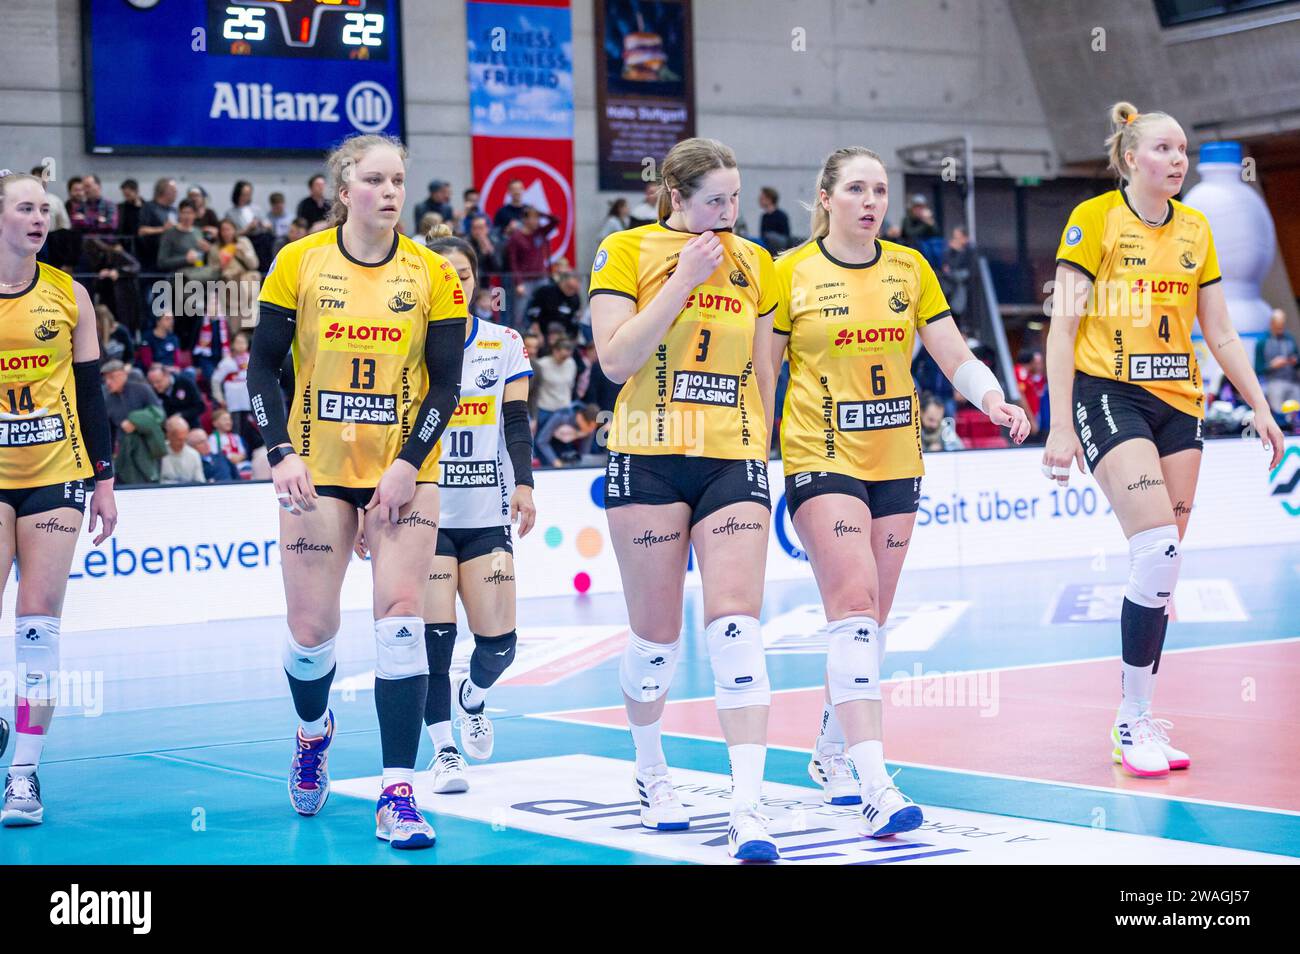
491	657
739	666
37	655
439	645
853	660
1154	561
646	669
308	663
399	647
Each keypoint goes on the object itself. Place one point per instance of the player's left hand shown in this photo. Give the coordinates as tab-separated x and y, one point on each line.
359	546
1270	435
103	507
395	490
1010	416
522	509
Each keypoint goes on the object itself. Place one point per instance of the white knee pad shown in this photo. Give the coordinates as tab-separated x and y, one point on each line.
646	670
853	659
37	655
1154	561
308	662
399	647
739	666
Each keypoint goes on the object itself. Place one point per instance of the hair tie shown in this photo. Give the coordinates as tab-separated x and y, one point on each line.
1129	121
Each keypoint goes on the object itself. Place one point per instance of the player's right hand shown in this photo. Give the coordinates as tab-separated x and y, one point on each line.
700	258
293	486
1063	448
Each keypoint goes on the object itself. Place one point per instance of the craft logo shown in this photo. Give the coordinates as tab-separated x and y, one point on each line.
366	337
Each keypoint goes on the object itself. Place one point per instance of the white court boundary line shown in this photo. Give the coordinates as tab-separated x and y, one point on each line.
554	716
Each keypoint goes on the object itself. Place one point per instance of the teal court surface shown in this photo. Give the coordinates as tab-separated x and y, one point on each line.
997	716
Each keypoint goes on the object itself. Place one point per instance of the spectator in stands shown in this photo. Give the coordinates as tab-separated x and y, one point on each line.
527	255
184	250
557	302
163	344
297	229
1275	363
938	433
774	226
157	216
135	415
215	466
230	379
93	214
314	208
181	464
204	217
116	271
1032	381
239	263
568	435
436	201
122	395
248	218
616	220
647	210
955	272
513	210
277	217
918	224
179	394
555	374
490	259
115	342
226	442
128	210
469	209
600	390
428	222
930	378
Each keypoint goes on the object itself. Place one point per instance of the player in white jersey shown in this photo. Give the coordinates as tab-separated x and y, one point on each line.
487	484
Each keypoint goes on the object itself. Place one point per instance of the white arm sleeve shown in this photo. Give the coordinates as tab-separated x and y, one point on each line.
974	380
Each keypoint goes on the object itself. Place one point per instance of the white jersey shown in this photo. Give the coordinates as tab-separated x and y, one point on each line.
476	476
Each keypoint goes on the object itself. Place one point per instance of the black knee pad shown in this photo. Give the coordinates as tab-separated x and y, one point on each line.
439	644
492	656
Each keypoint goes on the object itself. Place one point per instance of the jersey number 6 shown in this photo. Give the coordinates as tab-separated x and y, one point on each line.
877	379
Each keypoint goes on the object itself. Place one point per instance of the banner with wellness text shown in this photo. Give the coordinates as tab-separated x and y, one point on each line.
186	555
521	108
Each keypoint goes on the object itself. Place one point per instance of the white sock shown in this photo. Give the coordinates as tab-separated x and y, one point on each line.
831	737
648	740
394	776
315	729
472	696
747	762
440	735
869	760
1139	685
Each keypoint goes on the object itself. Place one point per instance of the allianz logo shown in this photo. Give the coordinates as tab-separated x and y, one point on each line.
368	107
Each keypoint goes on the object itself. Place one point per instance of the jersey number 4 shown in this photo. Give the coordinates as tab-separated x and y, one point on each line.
363	372
20	402
1163	330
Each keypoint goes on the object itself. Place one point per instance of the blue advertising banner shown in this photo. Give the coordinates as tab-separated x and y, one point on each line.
271	77
520	70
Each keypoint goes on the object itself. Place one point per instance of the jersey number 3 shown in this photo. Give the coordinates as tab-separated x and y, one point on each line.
703	353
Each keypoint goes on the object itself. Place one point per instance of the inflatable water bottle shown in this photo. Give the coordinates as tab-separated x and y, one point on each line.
1245	241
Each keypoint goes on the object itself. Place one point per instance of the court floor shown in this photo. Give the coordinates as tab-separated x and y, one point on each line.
175	746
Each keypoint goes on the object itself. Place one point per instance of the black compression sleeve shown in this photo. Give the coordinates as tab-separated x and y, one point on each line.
92	416
271	343
444	351
519	440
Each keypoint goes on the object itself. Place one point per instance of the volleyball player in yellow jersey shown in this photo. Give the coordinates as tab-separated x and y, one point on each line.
850	309
54	437
676	309
376	323
1134	270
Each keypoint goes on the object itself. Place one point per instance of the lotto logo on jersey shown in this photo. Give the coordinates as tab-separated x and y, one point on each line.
35	430
351	408
30	364
859	339
696	388
1163	289
716	305
469	473
1159	367
471	412
365	337
874	415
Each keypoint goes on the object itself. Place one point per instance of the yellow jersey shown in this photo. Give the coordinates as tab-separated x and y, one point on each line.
40	435
358	350
1138	323
851	405
697	393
